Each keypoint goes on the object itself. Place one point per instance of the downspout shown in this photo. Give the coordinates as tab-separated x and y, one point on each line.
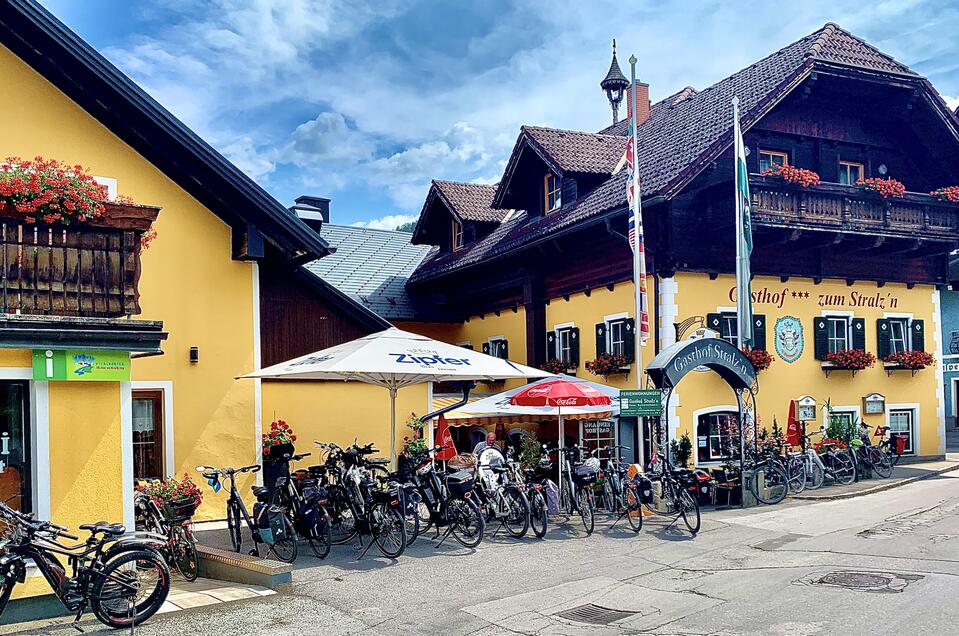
466	388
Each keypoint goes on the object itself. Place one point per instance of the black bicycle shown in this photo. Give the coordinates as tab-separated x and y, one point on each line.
869	458
675	493
268	525
172	521
304	502
122	580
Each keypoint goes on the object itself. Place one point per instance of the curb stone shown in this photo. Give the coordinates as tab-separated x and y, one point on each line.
879	488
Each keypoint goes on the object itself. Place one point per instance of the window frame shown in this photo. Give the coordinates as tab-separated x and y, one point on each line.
556	193
611	342
710	459
30	498
729	320
456	236
494	344
844	167
904	324
564	354
847	335
912	411
784	155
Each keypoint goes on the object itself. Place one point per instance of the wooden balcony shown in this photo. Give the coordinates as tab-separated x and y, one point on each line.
834	207
87	269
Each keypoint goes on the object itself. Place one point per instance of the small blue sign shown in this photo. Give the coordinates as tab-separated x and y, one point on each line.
789	338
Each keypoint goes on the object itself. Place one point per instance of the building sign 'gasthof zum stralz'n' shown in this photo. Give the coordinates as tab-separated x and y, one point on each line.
784	296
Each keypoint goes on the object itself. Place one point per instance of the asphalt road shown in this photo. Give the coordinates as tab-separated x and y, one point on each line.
886	563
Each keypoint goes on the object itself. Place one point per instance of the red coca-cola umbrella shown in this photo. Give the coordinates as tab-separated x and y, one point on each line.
559	393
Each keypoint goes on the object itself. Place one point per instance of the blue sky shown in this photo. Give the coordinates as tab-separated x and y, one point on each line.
366	102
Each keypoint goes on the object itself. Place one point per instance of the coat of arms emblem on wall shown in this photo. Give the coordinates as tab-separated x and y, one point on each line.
789	338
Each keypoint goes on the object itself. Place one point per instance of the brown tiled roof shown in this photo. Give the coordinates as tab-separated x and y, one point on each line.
574	151
682	134
471	201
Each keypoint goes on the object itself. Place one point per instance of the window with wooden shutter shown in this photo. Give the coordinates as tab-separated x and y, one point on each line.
759	331
820	338
629	340
567	345
918	329
486	348
550	345
574	346
600	338
898	335
883	348
858	333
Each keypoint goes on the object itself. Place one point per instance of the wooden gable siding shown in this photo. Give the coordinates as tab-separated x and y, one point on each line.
295	321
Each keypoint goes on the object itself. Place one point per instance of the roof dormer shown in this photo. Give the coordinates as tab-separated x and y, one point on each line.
456	214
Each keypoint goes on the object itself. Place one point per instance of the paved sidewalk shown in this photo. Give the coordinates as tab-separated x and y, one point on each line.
901	475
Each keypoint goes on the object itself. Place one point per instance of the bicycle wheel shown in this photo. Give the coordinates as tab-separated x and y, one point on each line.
633	506
321	534
343	524
517	516
130	589
466	522
285	549
814	473
538	514
233	521
587	509
796	466
566	501
388	527
689	509
412	520
880	463
842	466
775	483
426	518
183	549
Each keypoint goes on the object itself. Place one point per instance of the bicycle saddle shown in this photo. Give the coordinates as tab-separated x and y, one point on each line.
260	490
111	529
378	461
497	469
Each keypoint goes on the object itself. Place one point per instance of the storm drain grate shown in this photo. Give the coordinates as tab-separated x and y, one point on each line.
594	614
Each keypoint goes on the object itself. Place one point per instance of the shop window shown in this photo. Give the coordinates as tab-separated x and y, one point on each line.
903	421
716	435
456	238
850	172
16	473
770	158
552	192
148	443
594	434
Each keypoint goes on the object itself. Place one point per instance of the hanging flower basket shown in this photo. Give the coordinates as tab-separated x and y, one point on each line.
557	366
850	360
177	499
760	358
949	193
791	174
608	364
911	360
886	188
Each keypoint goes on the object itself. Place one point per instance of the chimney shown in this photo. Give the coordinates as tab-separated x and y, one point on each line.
314	211
642	94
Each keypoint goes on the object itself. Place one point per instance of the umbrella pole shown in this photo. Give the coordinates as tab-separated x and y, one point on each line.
559	445
393	427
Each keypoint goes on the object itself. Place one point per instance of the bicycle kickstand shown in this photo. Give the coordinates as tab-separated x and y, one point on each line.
76	621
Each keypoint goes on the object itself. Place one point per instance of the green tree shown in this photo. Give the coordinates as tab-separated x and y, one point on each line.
406	227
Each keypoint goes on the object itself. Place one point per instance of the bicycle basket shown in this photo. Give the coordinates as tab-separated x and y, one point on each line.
461	461
584	475
460	482
179	510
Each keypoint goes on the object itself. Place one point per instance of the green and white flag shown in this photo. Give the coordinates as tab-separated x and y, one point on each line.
744	238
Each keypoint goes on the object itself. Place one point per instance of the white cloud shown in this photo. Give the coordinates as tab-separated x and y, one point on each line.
953	102
327	139
389	222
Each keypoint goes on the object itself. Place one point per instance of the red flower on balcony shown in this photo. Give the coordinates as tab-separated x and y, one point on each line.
791	174
608	364
852	359
886	188
49	190
760	358
948	193
556	366
912	360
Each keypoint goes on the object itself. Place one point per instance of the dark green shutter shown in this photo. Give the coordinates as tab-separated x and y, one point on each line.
600	338
859	334
629	339
550	345
504	350
714	322
467	346
820	338
882	338
486	348
759	331
918	335
574	346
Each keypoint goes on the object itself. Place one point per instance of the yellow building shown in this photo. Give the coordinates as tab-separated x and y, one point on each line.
167	329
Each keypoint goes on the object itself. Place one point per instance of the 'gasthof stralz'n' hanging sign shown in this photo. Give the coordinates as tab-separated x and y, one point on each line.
789	338
81	365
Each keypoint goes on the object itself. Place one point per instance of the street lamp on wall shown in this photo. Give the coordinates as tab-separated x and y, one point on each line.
194	355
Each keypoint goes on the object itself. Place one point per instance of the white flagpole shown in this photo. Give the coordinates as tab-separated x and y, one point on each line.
743	288
638	264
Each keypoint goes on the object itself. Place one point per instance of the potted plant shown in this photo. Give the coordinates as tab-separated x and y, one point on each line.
911	360
849	360
608	364
760	358
886	188
948	193
557	366
277	444
681	450
414	444
791	174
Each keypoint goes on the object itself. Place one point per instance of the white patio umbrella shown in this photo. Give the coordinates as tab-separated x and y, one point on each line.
394	359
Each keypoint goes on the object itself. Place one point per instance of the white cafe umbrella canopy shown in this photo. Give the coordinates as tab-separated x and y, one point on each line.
394	359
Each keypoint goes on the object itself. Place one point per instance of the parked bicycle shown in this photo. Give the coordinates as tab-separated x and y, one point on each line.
576	487
869	459
815	469
123	580
538	483
766	478
503	499
173	520
446	499
268	524
675	495
837	461
304	502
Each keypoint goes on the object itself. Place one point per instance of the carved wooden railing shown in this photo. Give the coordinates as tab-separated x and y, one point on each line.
834	206
83	269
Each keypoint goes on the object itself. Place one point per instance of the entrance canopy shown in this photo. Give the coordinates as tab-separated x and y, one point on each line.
673	363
